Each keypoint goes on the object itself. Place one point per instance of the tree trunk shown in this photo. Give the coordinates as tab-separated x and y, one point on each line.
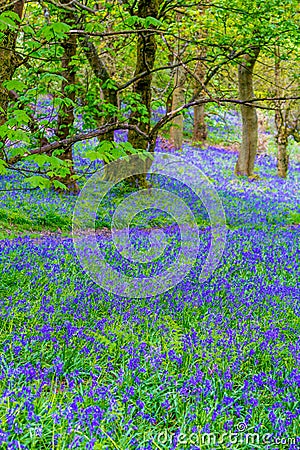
282	132
200	129
9	59
246	159
65	119
169	104
100	71
282	154
170	94
176	130
146	52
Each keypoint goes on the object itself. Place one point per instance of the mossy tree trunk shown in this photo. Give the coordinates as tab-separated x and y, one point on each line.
8	57
169	91
65	119
248	150
176	130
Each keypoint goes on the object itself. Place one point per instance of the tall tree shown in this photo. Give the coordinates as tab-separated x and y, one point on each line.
8	56
176	130
287	112
145	59
65	119
199	126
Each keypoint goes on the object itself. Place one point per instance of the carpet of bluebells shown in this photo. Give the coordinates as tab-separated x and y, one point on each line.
213	365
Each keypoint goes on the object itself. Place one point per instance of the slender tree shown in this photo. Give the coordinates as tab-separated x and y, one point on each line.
287	112
176	130
248	150
199	126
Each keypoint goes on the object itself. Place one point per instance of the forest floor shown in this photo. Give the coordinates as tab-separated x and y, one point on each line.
84	368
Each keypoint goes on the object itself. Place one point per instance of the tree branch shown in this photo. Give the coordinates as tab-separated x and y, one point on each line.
77	138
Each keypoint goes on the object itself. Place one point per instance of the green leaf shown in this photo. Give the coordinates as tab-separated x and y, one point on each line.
58	185
152	21
18	135
110	84
47	77
28	29
8	19
132	20
58	29
94	155
3	129
38	181
40	160
127	147
21	117
61	27
12	14
57	162
3	169
14	85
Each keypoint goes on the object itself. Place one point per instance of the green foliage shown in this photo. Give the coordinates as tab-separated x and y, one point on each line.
8	20
38	181
110	84
57	30
294	218
108	151
16	85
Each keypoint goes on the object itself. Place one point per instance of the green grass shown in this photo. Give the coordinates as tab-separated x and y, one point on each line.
294	218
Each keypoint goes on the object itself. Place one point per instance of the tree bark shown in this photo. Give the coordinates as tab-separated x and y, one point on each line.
100	71
145	59
248	150
169	98
8	57
281	123
65	119
282	154
176	130
200	128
